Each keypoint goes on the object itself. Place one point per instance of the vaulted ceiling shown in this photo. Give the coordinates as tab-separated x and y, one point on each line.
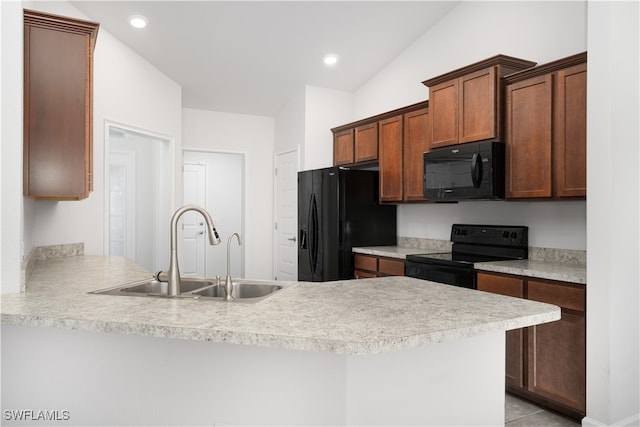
251	57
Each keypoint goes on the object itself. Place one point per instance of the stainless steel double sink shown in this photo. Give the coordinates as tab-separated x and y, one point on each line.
244	291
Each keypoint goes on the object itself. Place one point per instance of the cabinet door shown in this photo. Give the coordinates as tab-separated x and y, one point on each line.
477	106
366	143
58	125
365	266
556	359
390	267
515	339
416	142
528	138
391	159
343	147
570	132
443	114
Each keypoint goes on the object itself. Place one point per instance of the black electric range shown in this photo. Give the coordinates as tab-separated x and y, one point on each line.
470	244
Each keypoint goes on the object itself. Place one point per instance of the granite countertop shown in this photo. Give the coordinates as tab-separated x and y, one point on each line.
549	264
364	316
399	252
564	272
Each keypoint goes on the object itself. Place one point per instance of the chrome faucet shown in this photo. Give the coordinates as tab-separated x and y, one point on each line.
228	285
174	271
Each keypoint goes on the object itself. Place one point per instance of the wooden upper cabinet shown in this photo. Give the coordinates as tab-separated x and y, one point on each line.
570	132
465	105
528	138
58	106
416	142
477	94
366	143
443	104
343	147
396	140
391	174
546	130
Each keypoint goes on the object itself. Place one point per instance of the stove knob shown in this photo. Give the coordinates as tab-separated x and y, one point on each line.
505	234
514	234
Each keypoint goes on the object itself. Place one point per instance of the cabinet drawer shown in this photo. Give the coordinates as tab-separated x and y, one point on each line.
503	285
391	267
567	296
365	262
360	274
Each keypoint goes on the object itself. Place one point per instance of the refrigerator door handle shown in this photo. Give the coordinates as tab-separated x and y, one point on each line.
303	239
313	232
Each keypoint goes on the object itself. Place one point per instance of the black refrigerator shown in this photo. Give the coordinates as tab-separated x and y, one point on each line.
338	209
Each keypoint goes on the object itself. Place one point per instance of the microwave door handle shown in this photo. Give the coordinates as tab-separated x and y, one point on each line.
476	170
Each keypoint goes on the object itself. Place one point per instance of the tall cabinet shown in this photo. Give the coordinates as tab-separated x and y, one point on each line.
546	130
58	106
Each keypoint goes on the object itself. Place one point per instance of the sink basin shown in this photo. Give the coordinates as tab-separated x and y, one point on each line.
155	287
240	290
249	291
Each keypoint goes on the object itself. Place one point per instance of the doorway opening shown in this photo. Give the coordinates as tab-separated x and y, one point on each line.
139	176
214	180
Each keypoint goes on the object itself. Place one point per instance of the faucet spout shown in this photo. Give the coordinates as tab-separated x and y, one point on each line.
228	286
174	270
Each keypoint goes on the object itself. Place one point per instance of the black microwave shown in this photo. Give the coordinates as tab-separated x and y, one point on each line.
468	171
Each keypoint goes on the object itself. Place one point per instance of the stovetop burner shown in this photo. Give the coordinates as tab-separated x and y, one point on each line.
455	257
471	244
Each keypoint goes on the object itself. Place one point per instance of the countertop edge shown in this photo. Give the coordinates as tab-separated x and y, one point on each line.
279	341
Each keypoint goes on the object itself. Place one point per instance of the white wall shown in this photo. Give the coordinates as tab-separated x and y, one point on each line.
306	122
543	218
289	125
127	90
11	200
613	298
323	109
475	30
469	33
254	137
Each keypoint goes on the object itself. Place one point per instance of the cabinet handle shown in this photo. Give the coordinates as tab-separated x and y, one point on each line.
476	170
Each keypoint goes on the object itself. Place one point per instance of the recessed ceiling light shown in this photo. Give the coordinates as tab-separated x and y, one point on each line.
138	21
331	59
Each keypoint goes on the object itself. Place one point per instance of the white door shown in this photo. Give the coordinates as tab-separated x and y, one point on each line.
193	252
286	205
122	206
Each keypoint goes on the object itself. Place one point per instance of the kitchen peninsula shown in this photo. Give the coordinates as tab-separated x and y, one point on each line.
382	351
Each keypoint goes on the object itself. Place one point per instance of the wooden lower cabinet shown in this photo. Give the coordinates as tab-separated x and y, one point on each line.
546	363
513	287
366	266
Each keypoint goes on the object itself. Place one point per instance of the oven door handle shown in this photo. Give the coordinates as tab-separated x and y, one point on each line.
476	170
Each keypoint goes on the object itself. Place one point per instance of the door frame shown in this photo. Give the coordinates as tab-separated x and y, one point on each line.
162	230
275	201
243	246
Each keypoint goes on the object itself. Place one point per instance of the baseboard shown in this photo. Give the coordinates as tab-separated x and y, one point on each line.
632	421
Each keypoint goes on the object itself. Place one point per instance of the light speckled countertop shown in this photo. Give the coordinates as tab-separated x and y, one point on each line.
538	269
554	267
364	316
399	252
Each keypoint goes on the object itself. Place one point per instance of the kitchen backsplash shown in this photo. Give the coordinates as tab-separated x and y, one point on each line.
46	252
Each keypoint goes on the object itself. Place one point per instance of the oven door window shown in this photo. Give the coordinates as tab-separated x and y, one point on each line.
458	276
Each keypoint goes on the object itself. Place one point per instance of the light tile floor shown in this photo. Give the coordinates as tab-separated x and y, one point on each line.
520	413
